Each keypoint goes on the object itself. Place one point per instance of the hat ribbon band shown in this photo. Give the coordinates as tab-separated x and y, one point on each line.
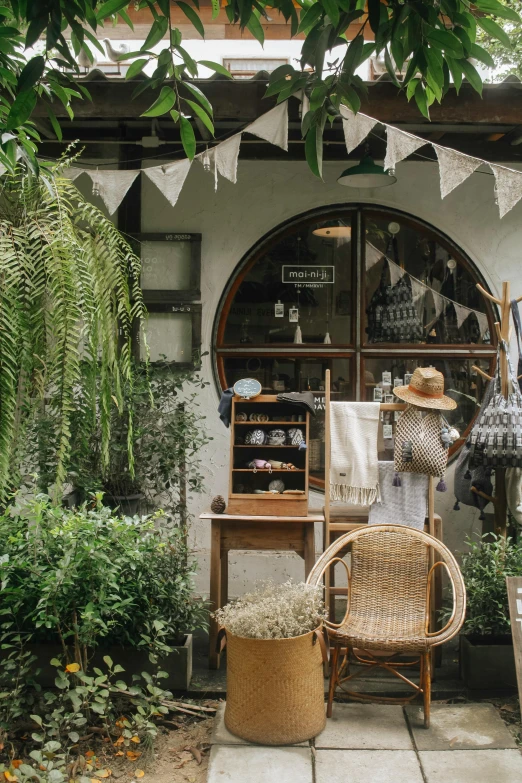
432	395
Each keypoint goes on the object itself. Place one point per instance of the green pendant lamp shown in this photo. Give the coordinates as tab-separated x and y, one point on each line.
367	174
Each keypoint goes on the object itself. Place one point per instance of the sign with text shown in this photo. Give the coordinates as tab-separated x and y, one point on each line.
514	589
311	276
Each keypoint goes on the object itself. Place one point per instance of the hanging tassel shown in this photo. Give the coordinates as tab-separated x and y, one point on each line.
396	481
327	339
298	336
467	474
441	486
456	507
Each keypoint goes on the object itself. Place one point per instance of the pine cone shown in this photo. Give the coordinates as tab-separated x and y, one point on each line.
218	505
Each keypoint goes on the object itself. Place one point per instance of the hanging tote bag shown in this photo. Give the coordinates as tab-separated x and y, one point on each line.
496	440
419	447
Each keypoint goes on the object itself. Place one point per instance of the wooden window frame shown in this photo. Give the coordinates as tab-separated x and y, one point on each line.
193	293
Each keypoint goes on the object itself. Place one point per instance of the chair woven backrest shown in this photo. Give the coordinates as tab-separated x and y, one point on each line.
389	579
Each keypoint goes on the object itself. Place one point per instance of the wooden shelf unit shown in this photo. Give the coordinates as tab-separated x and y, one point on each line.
250	502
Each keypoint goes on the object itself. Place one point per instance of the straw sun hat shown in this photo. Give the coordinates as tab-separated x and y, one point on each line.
426	389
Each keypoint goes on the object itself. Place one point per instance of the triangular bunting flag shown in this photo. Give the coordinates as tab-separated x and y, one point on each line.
509	187
399	146
483	322
454	168
170	178
272	126
72	172
224	157
112	185
418	290
356	127
395	272
372	255
462	313
305	104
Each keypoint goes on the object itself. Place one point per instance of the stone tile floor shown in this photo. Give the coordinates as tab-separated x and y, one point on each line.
467	743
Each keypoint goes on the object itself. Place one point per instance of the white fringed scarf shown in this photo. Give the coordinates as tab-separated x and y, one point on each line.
354	472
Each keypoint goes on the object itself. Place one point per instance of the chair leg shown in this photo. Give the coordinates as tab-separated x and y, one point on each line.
333	679
426	686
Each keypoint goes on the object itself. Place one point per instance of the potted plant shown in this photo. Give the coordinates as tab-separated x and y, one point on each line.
84	583
486	648
274	636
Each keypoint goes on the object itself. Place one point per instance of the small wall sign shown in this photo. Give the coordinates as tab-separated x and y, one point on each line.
293	315
279	310
308	276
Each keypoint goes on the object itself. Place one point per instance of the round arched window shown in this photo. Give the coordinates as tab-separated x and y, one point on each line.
366	292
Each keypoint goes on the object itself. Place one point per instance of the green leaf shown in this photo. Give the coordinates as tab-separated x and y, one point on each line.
479	53
472	75
412	86
188	60
174	114
126	18
37	719
421	100
217	67
136	67
255	27
309	18
192	17
215	8
494	30
21	109
456	72
314	151
497	9
187	137
109	8
108	660
332	9
162	104
31	73
92	38
156	33
353	55
56	128
202	114
446	41
199	96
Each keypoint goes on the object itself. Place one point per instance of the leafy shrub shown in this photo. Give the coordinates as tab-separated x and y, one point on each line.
485	568
274	611
85	577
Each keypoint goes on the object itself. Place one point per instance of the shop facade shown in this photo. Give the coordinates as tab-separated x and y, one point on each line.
255	236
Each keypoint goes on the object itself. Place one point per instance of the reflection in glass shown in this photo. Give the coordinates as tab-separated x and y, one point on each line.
305	281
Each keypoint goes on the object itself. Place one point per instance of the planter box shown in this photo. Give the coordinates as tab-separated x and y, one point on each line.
178	664
488	669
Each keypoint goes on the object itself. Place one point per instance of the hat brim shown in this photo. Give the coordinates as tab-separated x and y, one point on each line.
437	403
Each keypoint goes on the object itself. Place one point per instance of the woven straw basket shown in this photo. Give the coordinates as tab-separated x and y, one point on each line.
275	688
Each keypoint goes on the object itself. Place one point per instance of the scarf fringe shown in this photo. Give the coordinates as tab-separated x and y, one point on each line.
355	496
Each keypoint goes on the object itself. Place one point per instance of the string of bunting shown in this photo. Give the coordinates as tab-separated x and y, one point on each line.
419	290
222	159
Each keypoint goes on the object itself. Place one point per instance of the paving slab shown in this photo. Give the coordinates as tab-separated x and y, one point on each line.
367	766
471	766
222	736
365	726
460	727
256	764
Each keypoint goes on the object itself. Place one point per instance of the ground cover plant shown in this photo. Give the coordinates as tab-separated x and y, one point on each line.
85	578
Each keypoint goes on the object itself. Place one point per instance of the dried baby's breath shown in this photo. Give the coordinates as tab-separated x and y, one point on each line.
274	611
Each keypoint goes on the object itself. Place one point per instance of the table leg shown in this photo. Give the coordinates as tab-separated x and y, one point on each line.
215	591
224	578
309	546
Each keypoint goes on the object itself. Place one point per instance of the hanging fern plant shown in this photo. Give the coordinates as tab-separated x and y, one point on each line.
69	301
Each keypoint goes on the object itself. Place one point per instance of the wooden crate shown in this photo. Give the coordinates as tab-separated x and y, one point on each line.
243	481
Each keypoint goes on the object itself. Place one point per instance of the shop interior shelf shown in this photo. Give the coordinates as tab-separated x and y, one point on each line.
265	470
266	423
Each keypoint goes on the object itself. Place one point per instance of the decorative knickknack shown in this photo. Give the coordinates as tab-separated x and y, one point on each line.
218	505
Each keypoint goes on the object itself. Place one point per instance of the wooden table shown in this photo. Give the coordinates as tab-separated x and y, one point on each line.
273	533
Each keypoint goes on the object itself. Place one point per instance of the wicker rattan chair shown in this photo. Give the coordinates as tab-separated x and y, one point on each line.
387	614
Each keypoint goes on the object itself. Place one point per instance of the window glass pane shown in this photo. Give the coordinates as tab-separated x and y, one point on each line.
461	382
294	374
409	299
165	266
168	335
304	280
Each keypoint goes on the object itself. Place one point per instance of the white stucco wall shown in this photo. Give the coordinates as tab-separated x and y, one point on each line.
266	194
